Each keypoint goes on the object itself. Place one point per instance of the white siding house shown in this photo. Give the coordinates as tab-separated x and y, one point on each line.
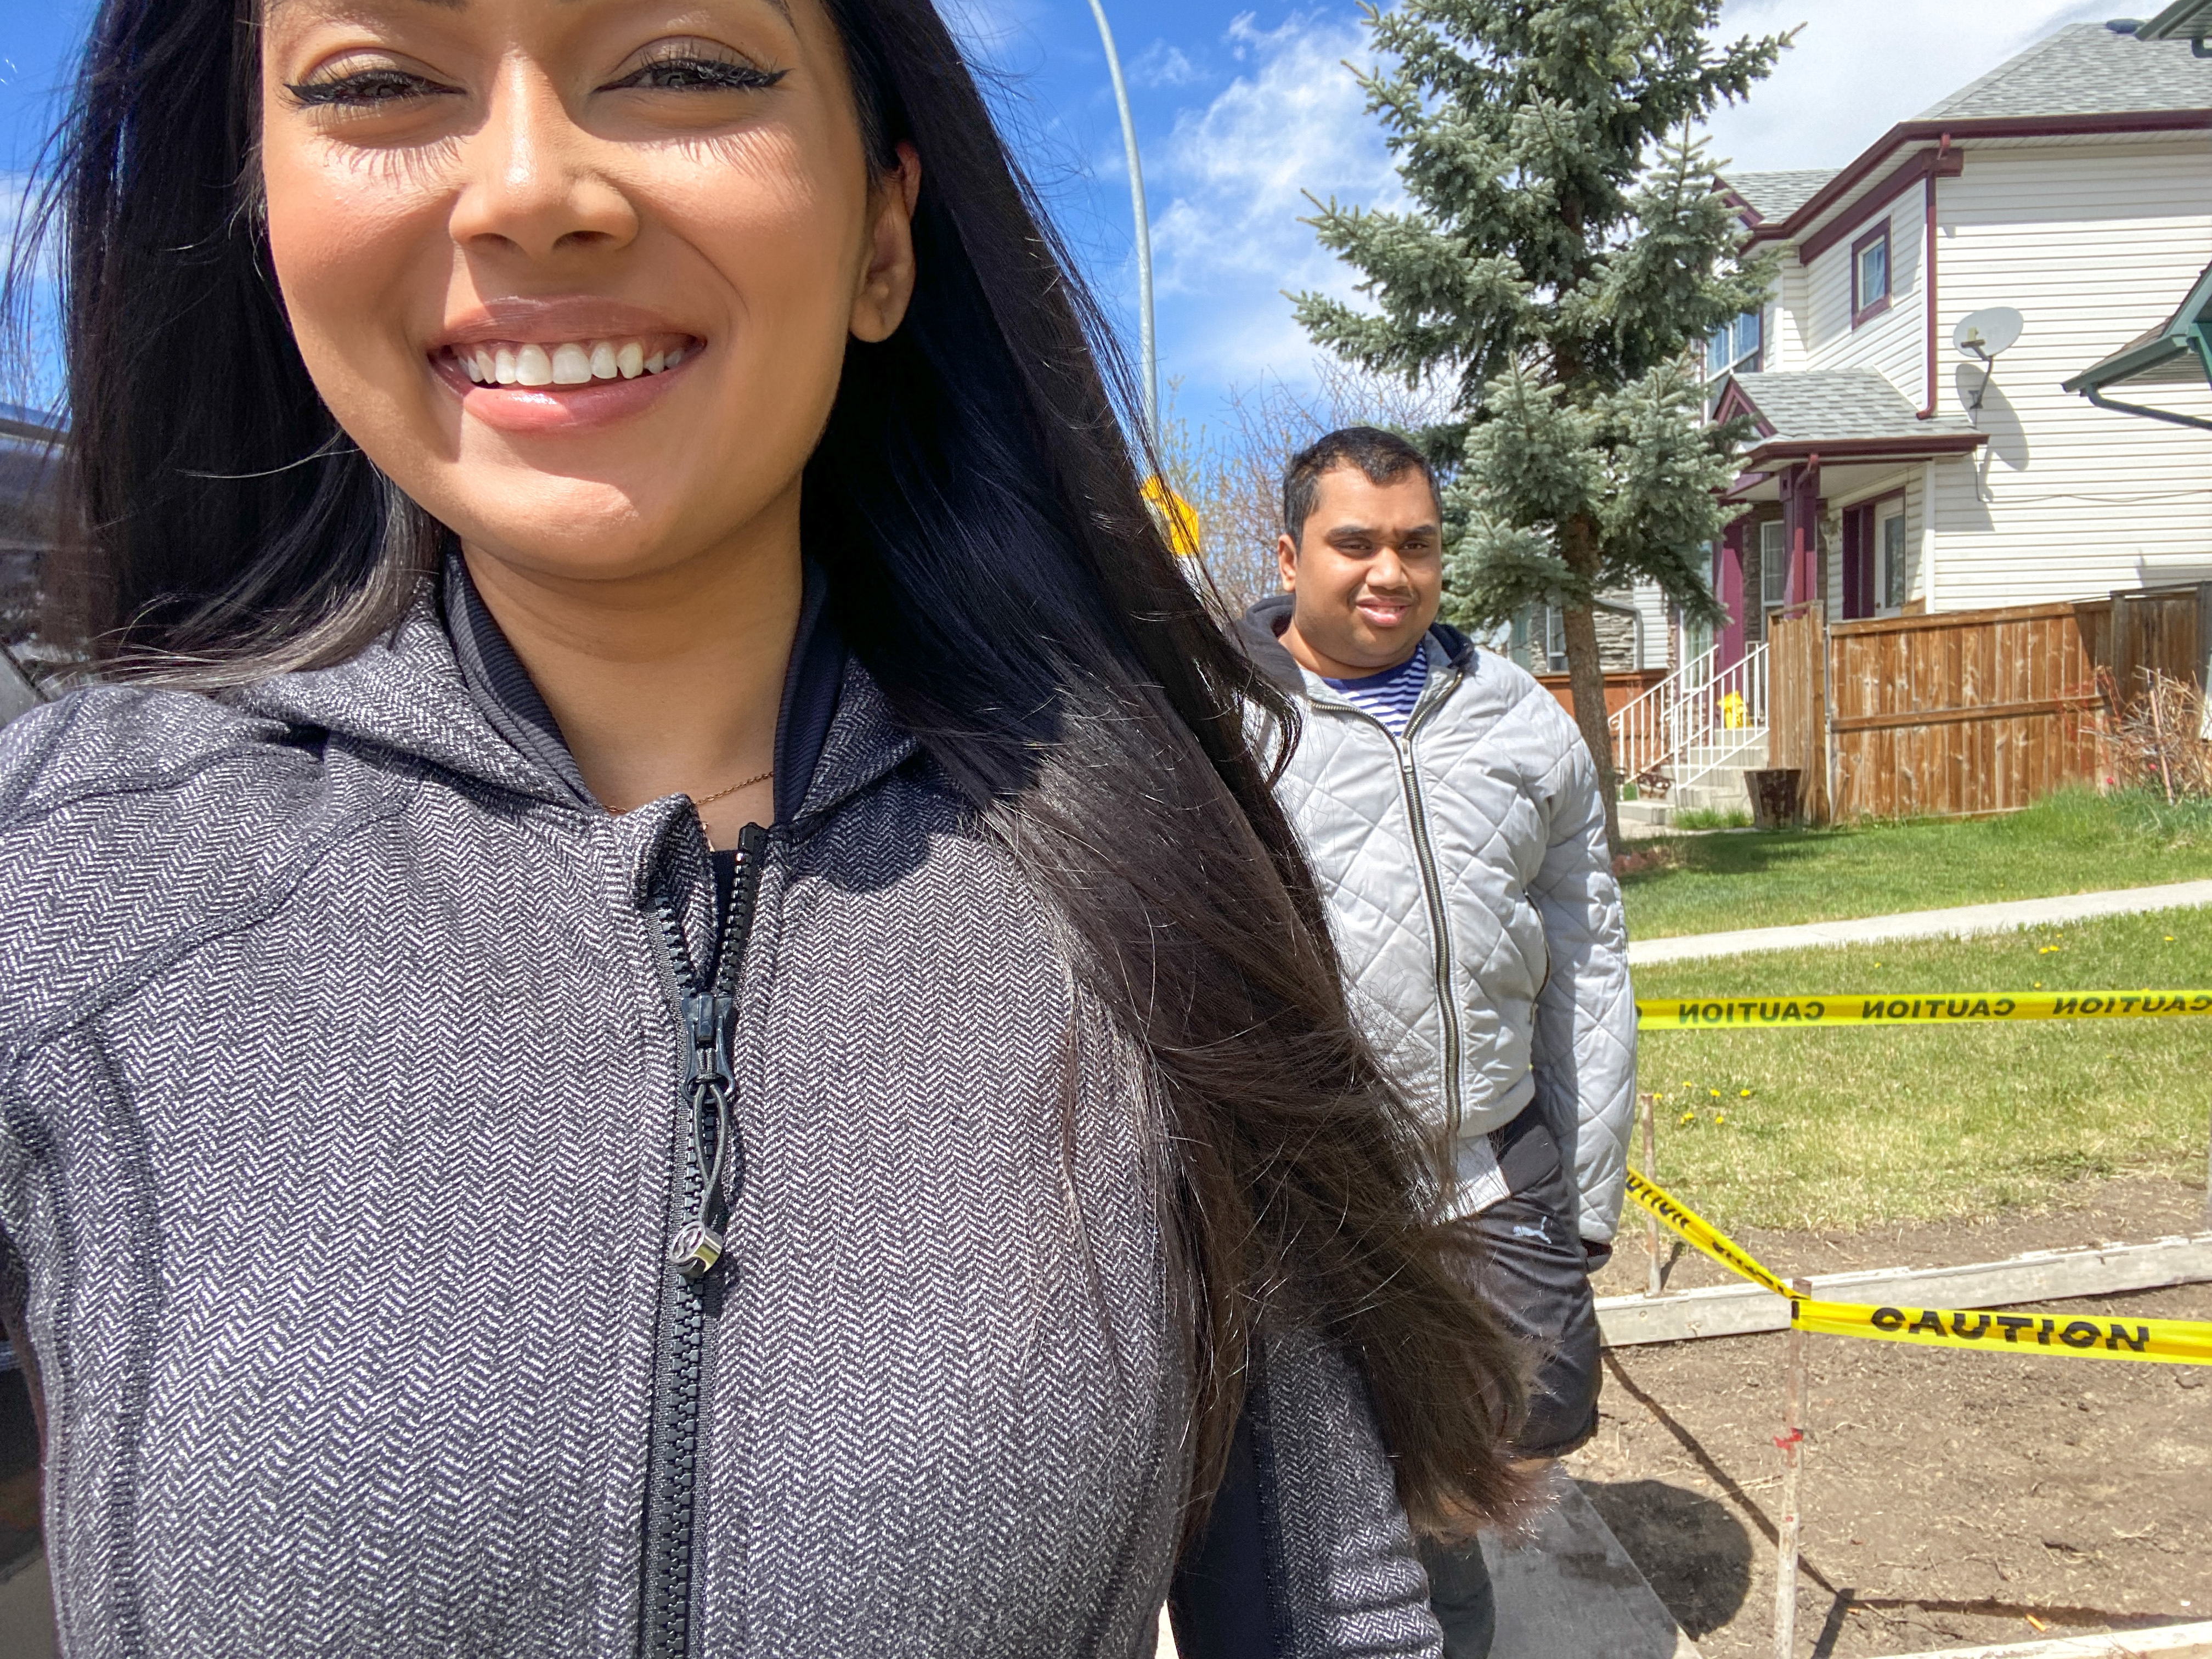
2072	186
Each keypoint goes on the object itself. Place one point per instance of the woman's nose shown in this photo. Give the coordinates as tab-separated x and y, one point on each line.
532	182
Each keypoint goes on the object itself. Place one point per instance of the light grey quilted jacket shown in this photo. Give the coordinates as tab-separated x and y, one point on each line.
1473	903
342	1143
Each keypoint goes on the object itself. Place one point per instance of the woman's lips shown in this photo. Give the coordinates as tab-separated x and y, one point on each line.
526	387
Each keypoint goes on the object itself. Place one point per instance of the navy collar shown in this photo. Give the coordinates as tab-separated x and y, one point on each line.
1260	633
509	700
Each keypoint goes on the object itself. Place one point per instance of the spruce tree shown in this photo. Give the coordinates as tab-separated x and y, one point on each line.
1562	254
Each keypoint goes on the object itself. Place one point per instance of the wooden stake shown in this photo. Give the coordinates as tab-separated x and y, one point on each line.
1791	1440
1658	1282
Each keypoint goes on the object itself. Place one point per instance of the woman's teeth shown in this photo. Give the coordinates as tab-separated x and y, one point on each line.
572	362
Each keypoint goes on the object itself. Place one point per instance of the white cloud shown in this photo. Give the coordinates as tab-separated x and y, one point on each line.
1860	66
1163	65
1232	184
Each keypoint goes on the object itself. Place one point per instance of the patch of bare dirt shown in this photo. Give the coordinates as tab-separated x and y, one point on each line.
1950	1498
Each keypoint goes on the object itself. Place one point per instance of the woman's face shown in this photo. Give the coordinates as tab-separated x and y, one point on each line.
578	274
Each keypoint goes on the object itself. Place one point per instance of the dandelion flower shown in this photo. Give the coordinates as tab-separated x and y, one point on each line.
1689	1117
1720	1117
2169	939
1743	1094
1715	1093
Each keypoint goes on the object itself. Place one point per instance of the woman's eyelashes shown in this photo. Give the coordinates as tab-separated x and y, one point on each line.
688	72
363	89
369	88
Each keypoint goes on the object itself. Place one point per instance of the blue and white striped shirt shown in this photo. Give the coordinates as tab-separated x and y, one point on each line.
1389	696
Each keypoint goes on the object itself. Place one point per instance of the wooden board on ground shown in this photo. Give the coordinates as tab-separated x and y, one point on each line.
2036	1276
2175	1642
1567	1589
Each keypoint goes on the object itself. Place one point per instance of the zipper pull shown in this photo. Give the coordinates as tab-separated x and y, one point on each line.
709	1079
707	1019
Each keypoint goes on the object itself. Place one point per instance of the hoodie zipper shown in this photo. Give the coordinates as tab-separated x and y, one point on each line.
712	1173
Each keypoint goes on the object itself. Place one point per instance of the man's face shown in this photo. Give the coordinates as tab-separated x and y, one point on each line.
1366	574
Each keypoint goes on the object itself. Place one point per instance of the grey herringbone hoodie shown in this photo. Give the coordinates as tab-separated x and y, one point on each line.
341	1147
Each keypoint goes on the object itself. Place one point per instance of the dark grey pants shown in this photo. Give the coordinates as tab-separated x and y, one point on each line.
1536	1278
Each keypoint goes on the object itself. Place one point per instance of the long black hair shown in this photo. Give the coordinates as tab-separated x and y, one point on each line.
974	502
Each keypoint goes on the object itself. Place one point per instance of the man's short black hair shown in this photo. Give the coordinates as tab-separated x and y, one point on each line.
1384	457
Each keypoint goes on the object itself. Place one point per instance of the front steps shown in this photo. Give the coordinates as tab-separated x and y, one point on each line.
1720	790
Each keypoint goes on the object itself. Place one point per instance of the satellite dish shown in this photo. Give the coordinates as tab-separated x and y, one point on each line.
1983	334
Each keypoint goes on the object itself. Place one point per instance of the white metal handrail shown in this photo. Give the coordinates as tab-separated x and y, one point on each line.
1698	718
1640	729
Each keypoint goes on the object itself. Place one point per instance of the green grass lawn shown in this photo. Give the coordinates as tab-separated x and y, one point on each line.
2072	842
1842	1126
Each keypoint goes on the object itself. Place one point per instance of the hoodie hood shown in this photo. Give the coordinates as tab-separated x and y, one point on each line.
445	687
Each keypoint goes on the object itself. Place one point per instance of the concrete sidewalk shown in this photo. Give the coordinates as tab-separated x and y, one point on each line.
1954	923
1567	1589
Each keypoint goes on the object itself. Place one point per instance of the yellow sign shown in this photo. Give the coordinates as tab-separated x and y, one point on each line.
1178	518
2177	1341
1966	1008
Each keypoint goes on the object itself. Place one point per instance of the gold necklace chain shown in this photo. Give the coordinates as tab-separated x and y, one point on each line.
709	801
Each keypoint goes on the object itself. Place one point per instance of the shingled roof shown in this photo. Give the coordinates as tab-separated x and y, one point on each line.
2086	69
1833	405
1776	195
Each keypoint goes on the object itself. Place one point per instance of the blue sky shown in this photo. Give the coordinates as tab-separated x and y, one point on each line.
1241	110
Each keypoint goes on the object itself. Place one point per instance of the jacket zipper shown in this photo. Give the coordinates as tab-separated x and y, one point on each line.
712	1173
1409	784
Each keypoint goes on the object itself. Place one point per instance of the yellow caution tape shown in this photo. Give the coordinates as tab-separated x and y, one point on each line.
2085	1336
2172	1341
1968	1008
1701	1232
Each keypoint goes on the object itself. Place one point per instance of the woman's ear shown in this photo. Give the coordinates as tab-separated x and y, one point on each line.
887	281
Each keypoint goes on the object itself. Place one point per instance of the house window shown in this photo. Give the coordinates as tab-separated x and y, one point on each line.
1874	557
1774	565
1538	640
1870	275
1889	544
1737	346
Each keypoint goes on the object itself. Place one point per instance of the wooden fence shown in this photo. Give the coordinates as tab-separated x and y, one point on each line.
1972	711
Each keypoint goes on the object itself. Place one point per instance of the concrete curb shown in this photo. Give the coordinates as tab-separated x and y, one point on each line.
1567	1589
1957	922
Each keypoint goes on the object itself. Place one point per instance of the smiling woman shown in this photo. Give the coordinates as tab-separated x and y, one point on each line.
659	1009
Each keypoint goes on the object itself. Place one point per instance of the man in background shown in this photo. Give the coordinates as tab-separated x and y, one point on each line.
1451	811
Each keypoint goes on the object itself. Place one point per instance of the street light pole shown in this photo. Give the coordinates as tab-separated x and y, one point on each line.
1150	361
